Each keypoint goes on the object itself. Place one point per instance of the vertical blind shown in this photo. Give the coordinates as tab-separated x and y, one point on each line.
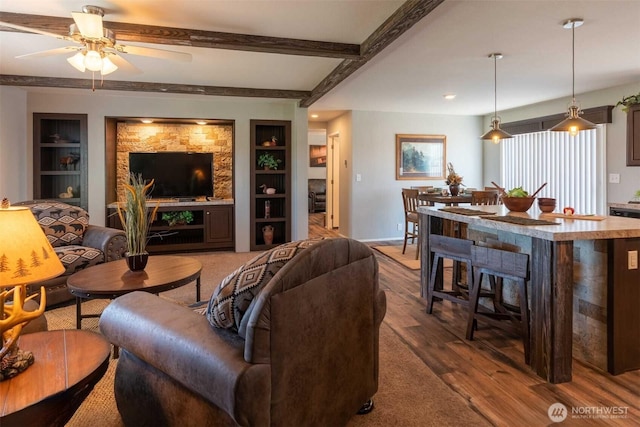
572	167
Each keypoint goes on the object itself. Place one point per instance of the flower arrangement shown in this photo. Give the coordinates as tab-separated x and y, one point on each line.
134	216
628	101
452	177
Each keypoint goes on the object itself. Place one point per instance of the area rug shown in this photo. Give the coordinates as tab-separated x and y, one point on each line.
409	393
408	259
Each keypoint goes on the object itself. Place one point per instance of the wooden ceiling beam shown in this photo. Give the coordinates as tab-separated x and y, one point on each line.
35	81
192	38
403	19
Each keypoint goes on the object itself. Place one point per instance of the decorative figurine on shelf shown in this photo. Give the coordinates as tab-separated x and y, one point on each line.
267	190
267	209
68	194
272	143
71	160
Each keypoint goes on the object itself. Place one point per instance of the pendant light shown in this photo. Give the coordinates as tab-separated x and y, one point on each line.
495	134
573	123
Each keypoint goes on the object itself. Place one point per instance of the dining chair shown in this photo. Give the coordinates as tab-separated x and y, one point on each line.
422	188
411	202
486	197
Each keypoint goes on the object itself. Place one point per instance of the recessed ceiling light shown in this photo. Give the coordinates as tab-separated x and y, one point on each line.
314	116
201	122
147	121
449	96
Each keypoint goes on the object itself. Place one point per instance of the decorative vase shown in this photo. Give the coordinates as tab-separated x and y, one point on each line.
267	234
137	262
454	189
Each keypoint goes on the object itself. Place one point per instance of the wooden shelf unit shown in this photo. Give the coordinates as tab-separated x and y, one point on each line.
60	157
280	179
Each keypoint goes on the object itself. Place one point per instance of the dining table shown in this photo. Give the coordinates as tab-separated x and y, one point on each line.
432	198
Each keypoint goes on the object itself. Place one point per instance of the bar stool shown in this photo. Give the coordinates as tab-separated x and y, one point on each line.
499	265
458	250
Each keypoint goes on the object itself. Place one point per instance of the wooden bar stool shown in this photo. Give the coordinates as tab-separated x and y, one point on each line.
499	265
458	250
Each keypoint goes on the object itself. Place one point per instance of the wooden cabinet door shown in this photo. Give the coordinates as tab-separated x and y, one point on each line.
219	229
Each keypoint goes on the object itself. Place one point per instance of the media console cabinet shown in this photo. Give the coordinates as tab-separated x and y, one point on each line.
212	226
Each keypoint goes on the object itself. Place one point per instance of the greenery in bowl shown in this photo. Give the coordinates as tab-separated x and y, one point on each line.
178	217
134	215
628	101
267	160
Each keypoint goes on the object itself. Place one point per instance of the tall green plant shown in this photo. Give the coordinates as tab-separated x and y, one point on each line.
134	216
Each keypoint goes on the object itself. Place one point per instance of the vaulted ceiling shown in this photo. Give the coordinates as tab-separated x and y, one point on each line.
380	55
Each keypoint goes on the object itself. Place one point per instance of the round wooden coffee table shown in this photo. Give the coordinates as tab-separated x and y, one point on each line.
68	364
113	279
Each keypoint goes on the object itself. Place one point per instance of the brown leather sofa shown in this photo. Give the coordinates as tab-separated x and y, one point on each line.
77	243
309	356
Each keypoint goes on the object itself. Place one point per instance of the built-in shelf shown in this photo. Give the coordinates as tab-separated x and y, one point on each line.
270	209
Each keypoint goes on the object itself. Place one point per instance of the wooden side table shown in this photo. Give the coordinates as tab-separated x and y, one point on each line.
68	364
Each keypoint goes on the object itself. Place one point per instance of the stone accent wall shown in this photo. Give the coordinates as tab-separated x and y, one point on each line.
213	138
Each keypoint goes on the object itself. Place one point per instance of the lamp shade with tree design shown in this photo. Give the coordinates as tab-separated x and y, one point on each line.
26	257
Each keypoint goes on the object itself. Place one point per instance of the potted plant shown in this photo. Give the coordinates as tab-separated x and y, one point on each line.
628	101
268	161
177	217
136	219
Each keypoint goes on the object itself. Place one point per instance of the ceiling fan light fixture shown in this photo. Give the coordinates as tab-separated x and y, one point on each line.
77	61
108	67
93	60
573	123
495	134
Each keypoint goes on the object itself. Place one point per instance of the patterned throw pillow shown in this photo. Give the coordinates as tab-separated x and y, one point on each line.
63	224
232	297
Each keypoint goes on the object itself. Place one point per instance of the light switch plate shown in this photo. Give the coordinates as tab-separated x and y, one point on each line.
614	178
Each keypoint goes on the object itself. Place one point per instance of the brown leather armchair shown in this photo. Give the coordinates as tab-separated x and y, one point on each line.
317	195
77	243
308	357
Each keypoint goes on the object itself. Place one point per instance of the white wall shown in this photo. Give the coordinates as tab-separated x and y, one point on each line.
317	137
371	208
616	138
99	104
14	144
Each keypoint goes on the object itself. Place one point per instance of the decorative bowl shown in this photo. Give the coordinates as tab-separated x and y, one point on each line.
547	204
518	204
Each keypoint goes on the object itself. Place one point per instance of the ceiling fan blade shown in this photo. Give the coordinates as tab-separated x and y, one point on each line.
50	52
89	24
33	30
155	53
124	65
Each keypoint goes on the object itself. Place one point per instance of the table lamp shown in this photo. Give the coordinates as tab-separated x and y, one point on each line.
26	256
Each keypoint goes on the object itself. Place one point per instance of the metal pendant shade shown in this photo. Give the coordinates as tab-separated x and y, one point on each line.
573	123
495	134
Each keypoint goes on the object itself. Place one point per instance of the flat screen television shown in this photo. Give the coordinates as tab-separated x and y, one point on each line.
181	175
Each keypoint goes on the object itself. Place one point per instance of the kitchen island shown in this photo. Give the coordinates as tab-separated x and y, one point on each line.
584	289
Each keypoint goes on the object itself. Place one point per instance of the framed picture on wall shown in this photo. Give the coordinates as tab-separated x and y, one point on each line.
420	157
318	156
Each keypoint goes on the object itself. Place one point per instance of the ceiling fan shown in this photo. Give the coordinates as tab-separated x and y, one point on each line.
97	48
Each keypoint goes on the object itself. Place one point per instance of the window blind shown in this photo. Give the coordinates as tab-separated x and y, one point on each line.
573	167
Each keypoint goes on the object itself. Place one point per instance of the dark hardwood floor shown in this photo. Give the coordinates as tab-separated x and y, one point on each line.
490	372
